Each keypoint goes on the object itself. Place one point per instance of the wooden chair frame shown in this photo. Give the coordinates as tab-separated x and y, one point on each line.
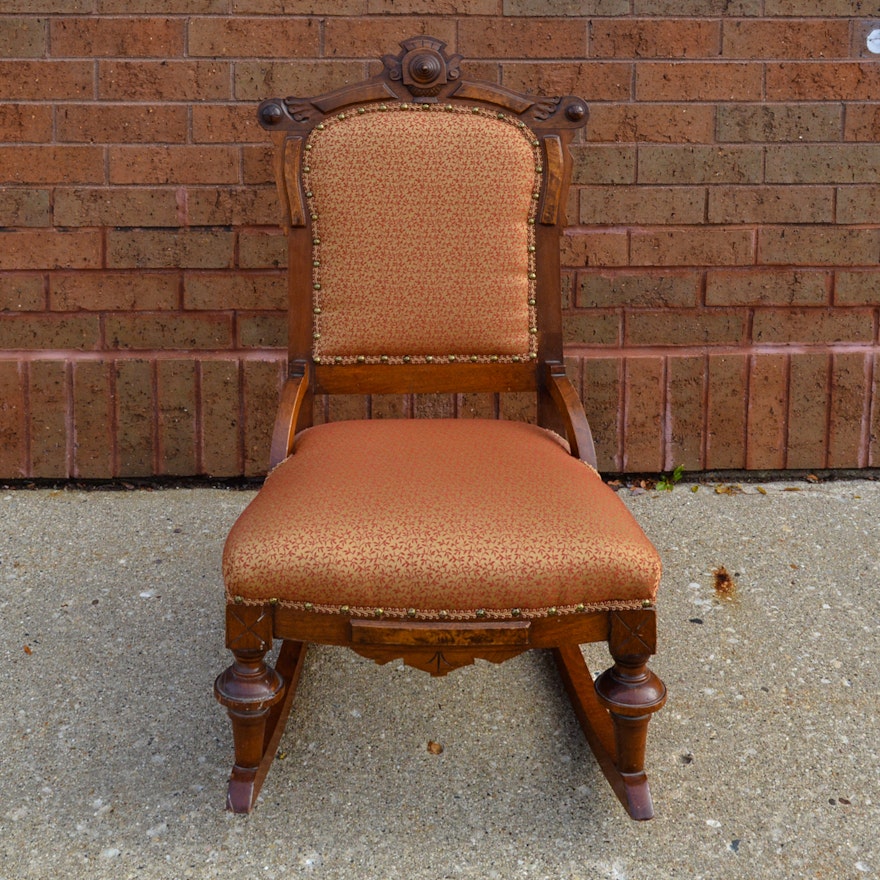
615	710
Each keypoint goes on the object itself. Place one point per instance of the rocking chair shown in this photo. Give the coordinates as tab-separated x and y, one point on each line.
424	212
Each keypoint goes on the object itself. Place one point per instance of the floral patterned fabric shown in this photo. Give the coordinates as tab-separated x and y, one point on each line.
423	225
436	518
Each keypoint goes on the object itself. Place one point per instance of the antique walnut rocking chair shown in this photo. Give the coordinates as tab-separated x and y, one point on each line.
424	212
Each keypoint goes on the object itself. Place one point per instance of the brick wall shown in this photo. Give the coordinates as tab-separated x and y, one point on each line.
721	265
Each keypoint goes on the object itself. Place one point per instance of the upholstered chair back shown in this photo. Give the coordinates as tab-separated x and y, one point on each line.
423	223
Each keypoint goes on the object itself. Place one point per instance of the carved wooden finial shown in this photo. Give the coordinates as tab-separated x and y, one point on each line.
423	66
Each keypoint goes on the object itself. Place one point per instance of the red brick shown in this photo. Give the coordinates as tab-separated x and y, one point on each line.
91	37
644	403
862	122
226	124
818	246
820	163
771	204
169	332
686	381
467	406
603	403
176	403
857	288
813	325
257	80
122	123
262	250
808	411
32	332
177	165
646	123
850	410
566	7
699	81
686	164
227	290
760	123
241	37
20	206
257	165
374	37
155	249
697	7
49	6
47	80
693	246
261	330
117	206
858	204
654	38
432	7
597	80
13	432
786	39
163	81
21	123
48	403
442	406
262	386
93	419
341	407
233	206
641	205
51	164
825	9
162	7
599	248
522	38
135	418
299	7
22	37
22	292
113	291
611	289
726	411
49	249
685	327
822	81
591	328
602	164
759	287
221	450
767	412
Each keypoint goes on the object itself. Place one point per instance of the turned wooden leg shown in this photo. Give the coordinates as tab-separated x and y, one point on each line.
248	689
253	693
632	693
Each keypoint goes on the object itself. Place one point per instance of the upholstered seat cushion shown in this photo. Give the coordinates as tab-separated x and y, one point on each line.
435	518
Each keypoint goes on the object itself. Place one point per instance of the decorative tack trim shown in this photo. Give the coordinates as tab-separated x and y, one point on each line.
453	614
446	357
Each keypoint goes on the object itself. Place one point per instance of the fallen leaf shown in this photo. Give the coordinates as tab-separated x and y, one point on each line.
435	748
27	650
812	478
762	490
728	490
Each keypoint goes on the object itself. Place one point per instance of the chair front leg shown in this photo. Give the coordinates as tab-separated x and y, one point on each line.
632	693
248	689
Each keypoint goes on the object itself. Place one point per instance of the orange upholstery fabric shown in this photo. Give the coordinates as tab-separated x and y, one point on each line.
423	220
434	518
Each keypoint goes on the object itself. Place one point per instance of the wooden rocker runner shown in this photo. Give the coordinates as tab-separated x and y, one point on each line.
424	212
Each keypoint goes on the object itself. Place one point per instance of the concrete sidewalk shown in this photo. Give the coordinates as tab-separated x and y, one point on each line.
115	756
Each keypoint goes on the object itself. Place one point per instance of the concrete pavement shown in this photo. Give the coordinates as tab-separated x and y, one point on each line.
765	762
